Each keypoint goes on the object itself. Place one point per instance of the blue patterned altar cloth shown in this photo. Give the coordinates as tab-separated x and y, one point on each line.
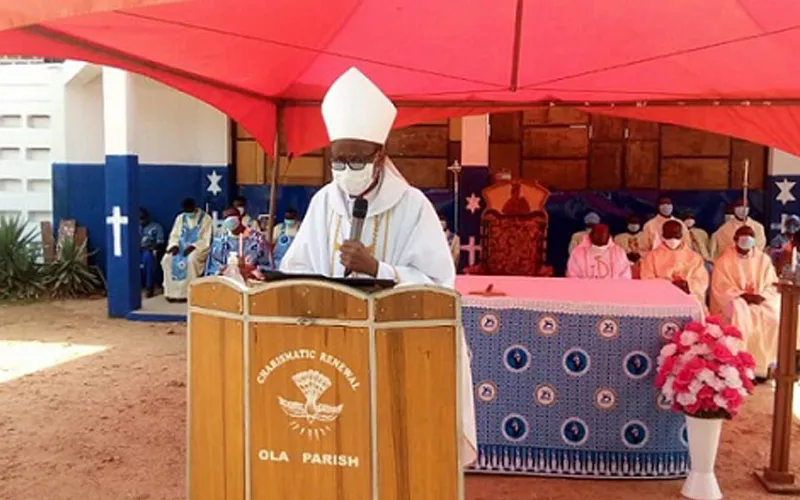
567	390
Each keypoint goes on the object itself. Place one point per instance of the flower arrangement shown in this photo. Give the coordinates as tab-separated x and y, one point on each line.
704	372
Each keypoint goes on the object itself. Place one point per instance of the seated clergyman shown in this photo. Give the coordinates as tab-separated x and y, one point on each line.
598	257
675	261
187	250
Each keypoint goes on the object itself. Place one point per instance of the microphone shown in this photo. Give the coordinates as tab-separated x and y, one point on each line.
359	214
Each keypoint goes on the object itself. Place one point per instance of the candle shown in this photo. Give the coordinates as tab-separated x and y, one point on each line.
241	245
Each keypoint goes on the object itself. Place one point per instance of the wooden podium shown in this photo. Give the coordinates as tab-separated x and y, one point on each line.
311	390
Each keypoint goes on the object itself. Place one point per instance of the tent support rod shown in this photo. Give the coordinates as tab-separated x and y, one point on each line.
517	44
753	103
273	178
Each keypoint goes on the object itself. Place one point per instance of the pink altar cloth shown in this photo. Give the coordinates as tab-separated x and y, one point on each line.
657	298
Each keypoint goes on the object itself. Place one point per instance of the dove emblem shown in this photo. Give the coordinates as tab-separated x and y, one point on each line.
310	417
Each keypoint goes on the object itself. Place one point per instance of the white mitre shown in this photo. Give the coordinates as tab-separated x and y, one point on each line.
355	108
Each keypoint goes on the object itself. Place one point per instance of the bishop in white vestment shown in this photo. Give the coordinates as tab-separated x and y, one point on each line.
402	238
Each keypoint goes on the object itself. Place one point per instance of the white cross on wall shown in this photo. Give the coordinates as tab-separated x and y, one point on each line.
471	248
116	220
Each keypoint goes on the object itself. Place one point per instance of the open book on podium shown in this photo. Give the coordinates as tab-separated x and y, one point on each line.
309	389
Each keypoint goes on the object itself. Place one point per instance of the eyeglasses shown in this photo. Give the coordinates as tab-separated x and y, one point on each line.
343	162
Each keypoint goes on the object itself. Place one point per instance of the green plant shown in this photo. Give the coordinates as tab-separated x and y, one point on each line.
20	277
69	276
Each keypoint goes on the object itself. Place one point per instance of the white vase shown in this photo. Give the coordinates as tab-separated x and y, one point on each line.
703	443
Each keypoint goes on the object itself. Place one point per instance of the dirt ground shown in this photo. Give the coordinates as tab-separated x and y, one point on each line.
110	425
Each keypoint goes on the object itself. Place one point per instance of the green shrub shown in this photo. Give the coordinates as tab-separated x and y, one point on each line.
69	276
20	271
23	275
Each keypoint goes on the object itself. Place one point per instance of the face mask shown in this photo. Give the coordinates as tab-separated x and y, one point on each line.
672	243
746	242
289	222
231	223
601	248
728	217
741	212
190	214
444	225
665	209
241	210
689	223
791	229
634	228
354	182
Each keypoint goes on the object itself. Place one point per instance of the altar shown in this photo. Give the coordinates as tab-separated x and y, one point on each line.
564	374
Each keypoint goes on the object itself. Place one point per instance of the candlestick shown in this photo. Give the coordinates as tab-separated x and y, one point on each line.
745	183
456	169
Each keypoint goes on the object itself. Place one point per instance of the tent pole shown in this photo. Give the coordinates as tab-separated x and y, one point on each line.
273	181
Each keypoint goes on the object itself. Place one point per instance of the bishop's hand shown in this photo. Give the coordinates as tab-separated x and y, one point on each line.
356	257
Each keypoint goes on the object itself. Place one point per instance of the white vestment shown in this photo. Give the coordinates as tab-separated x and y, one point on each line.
754	273
185	232
577	238
682	263
652	231
723	237
632	243
403	232
586	261
700	244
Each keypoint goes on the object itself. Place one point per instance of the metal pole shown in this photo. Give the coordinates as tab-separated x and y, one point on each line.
456	169
273	181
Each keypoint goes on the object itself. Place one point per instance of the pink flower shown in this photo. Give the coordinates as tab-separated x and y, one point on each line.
695	365
732	331
694	408
708	339
706	393
746	359
714	320
747	383
713	365
733	398
661	379
723	354
669	364
694	326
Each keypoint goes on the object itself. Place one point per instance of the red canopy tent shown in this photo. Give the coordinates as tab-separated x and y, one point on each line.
720	65
16	13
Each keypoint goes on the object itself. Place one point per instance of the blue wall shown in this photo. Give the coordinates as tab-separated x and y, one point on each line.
565	208
79	193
